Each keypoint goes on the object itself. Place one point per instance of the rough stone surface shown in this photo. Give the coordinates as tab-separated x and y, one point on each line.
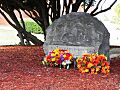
77	51
78	29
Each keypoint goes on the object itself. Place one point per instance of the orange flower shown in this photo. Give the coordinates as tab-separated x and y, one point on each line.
106	63
93	63
79	65
82	70
103	70
92	71
89	65
102	57
103	64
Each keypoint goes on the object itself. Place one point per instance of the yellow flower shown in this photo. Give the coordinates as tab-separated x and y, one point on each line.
89	65
53	59
52	54
84	61
64	56
78	59
107	67
56	53
97	69
70	57
107	70
86	70
91	59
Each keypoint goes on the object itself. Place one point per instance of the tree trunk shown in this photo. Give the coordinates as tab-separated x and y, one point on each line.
24	35
32	38
21	38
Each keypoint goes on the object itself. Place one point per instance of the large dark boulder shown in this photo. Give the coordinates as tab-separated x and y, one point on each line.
78	30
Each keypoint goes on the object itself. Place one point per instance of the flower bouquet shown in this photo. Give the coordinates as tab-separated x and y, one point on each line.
58	57
93	63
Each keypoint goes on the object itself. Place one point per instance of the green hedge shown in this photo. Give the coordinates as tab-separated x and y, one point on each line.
33	27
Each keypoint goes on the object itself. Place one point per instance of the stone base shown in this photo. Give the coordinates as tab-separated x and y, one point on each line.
76	51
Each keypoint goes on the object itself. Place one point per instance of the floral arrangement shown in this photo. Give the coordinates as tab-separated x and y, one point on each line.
88	63
93	63
58	57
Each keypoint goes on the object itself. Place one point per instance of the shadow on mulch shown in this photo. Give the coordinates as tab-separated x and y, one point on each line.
20	69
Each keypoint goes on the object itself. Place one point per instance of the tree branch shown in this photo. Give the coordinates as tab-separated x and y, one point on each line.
67	7
36	20
58	8
89	5
23	23
103	4
76	5
7	19
96	7
105	9
63	8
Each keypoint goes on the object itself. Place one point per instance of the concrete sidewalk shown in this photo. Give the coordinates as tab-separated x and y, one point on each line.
114	31
8	36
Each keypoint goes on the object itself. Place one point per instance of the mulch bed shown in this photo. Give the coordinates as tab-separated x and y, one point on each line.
20	69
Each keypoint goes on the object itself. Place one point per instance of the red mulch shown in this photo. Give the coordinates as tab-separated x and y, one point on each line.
20	69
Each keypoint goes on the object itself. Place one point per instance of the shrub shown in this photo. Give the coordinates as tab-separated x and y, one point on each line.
33	27
116	20
117	10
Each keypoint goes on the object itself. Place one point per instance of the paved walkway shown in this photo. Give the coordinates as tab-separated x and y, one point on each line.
114	31
8	35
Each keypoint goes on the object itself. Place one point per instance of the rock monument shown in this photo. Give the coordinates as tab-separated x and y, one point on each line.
79	33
